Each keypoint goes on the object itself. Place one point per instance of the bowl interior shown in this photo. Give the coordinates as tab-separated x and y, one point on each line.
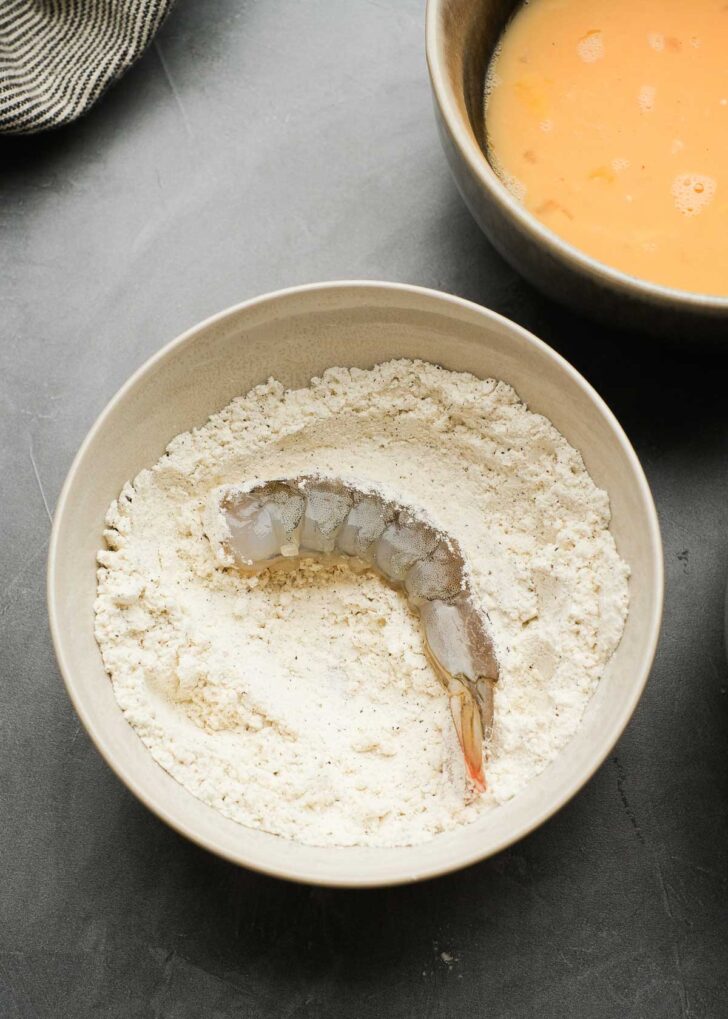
295	335
461	37
471	29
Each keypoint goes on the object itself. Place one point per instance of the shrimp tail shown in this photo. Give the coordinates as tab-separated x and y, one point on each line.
466	716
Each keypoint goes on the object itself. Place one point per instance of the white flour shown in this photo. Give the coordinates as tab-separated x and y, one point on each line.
303	703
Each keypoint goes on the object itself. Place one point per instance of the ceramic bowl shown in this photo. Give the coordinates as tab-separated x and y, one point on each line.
294	335
461	37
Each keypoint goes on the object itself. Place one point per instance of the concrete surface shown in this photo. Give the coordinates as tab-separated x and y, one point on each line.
260	144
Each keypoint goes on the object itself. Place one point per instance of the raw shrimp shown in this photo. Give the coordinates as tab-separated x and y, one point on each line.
274	524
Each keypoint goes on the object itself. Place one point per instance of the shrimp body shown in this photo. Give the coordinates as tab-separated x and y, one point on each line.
275	524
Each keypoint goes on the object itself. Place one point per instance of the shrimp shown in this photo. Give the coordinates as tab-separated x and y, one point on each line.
275	524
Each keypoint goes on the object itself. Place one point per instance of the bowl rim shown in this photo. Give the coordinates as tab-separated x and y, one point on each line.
478	164
252	859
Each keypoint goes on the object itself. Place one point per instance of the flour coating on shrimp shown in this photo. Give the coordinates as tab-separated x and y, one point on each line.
304	703
276	524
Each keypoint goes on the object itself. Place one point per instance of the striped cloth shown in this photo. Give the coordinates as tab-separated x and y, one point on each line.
58	56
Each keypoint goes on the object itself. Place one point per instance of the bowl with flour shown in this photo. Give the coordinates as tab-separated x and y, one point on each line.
291	721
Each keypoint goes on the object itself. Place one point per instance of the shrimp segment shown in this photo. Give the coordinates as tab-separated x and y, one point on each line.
274	524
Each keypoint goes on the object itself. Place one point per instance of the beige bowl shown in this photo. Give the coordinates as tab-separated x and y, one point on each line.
461	36
295	334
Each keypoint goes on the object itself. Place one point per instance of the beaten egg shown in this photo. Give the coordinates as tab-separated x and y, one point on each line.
608	120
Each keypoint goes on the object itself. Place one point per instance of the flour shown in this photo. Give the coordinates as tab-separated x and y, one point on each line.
303	703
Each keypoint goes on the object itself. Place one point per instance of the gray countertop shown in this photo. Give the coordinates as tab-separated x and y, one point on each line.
257	145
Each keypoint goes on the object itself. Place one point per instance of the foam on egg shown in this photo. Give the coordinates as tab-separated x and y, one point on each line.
693	192
646	98
492	78
591	46
516	187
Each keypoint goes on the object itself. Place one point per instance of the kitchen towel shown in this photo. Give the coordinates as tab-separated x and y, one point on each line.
58	56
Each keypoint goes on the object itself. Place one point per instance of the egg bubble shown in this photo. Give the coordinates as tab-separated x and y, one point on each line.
492	78
516	187
591	47
693	192
646	98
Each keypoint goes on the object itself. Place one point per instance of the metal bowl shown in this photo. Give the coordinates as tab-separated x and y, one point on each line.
461	36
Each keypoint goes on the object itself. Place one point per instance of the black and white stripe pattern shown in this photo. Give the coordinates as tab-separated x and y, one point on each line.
58	56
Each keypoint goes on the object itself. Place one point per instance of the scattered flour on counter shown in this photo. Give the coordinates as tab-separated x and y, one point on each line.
303	703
